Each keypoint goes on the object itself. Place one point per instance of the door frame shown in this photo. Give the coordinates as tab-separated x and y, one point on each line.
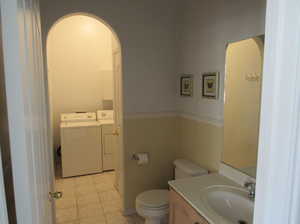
27	116
3	206
120	92
278	176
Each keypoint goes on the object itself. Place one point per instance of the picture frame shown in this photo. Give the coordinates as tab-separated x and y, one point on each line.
186	85
210	85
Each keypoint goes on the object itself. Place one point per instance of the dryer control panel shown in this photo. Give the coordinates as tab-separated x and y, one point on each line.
78	117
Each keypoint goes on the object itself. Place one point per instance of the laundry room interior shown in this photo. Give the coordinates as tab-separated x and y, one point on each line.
81	91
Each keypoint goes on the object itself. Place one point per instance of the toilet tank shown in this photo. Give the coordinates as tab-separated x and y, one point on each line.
185	169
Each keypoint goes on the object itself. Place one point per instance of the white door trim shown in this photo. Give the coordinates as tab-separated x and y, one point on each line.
278	177
3	209
27	114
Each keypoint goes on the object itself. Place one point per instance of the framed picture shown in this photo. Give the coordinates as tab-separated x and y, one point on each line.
186	85
210	85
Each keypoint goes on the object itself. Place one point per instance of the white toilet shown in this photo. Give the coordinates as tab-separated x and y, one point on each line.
153	205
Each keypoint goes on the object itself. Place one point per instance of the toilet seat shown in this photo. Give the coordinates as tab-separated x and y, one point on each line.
153	199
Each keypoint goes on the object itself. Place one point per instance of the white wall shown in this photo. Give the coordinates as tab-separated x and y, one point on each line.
79	53
153	34
147	33
204	30
206	27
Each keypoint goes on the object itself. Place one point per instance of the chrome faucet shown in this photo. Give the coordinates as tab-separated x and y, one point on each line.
251	187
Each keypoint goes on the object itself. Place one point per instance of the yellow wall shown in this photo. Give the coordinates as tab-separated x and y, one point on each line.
159	137
242	104
79	54
200	142
166	138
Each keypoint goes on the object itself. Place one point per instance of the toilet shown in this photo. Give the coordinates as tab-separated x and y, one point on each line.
153	205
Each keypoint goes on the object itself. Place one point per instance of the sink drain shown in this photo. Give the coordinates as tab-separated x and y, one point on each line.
242	222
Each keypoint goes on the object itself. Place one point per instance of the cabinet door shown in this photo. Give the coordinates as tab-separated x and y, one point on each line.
181	212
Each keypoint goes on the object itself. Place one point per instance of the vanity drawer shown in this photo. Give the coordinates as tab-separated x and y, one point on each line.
181	212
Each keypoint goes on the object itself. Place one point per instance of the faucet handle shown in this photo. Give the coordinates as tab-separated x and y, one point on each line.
249	184
251	187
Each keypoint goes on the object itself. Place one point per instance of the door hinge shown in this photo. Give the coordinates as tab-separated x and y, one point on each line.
55	195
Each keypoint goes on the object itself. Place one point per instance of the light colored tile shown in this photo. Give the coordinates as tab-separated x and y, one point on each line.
93	220
67	187
109	195
112	177
116	218
66	215
101	179
65	202
68	193
90	210
73	222
84	180
65	182
83	191
111	206
64	187
88	199
104	187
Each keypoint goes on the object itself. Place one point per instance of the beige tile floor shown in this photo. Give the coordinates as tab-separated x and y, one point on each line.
91	199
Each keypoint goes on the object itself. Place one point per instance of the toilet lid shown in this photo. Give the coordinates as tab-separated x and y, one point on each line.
153	198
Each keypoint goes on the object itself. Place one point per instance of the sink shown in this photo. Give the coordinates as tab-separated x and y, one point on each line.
230	203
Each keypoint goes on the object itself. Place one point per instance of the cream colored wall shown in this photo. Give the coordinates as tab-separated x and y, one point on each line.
159	137
242	104
200	142
79	54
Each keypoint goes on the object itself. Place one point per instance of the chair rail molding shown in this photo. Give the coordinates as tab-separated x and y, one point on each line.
278	177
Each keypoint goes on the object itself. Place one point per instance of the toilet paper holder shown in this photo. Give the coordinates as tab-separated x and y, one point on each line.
135	155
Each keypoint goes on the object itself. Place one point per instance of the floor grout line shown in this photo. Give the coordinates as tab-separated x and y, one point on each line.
108	195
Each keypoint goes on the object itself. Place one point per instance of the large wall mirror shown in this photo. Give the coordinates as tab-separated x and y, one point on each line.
244	63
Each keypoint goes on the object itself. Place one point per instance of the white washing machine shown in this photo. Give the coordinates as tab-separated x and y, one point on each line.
109	141
80	144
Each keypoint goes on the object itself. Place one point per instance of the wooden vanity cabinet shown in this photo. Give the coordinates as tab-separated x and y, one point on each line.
181	212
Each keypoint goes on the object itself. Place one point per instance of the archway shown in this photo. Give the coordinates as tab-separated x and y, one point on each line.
73	59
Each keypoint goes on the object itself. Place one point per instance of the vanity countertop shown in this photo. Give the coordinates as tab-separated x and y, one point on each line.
190	189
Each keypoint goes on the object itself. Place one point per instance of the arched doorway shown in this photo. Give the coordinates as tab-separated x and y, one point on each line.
86	47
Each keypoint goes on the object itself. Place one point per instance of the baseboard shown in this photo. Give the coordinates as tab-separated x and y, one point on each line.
129	211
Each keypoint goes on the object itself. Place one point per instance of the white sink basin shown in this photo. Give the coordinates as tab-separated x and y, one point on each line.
232	204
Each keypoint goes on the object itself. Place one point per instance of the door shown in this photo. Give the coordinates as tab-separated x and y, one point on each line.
118	119
29	136
108	147
5	150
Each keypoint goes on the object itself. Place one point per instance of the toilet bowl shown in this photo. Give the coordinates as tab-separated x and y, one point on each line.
153	205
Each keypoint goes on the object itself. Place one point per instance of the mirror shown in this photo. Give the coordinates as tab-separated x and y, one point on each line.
243	78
